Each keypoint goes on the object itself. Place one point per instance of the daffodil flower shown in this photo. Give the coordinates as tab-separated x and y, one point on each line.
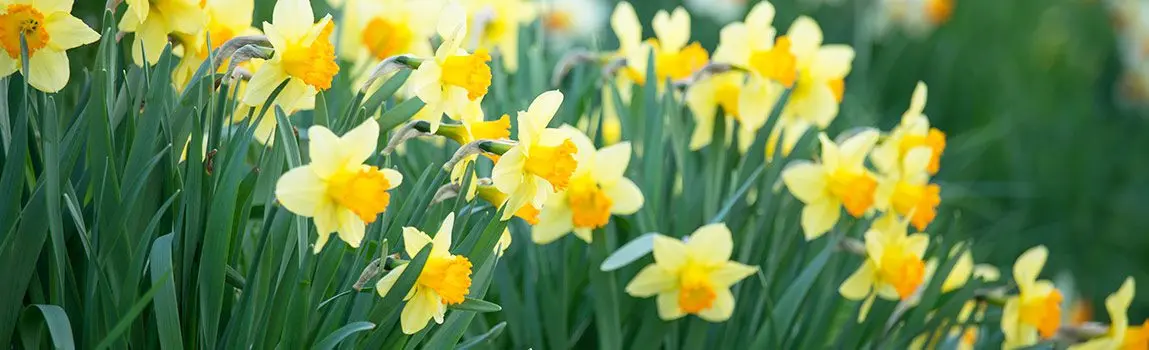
724	90
567	21
372	31
692	277
224	20
914	17
541	163
49	30
841	180
624	21
1035	313
454	81
597	190
529	213
336	189
444	280
304	56
472	129
497	24
893	269
1120	334
154	20
913	132
908	192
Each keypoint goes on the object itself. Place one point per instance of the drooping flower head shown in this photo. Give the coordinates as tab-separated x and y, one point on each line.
454	82
49	30
597	190
445	278
304	56
1035	313
541	163
336	189
840	180
893	269
154	20
692	277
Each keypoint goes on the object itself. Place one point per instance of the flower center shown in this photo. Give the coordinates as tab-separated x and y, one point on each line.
450	278
939	11
22	19
314	64
491	130
470	72
935	140
555	163
777	63
727	97
588	202
1136	337
558	21
696	293
529	214
922	200
680	65
901	269
363	192
838	87
384	38
217	35
855	190
1043	312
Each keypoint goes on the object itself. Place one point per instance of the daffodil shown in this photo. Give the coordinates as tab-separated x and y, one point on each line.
841	180
907	190
49	30
1120	334
454	81
474	128
154	20
567	21
444	280
1035	313
336	189
504	242
692	277
528	212
893	269
675	58
496	24
915	17
597	190
724	90
816	73
541	163
624	21
224	20
304	56
372	30
913	132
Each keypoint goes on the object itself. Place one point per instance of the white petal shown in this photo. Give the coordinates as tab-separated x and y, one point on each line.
414	241
442	241
324	150
293	17
49	70
67	32
610	162
359	143
419	309
351	228
544	107
554	222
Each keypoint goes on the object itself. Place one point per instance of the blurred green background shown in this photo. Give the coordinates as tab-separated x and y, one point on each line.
1044	145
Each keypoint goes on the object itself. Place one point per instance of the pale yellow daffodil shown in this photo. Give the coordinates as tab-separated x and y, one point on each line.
624	21
223	20
529	213
453	82
893	269
154	20
1120	335
304	56
913	132
568	21
907	190
541	163
496	27
597	190
841	180
49	30
692	277
371	31
336	189
445	278
1035	313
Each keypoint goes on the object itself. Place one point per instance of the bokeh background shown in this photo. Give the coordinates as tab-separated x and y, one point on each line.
1044	103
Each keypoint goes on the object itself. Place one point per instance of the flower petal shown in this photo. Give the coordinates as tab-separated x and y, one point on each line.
819	217
554	222
67	32
419	309
262	83
359	143
730	273
668	308
544	107
722	307
651	280
805	180
610	163
351	227
301	191
669	253
48	70
293	18
1028	266
858	285
384	285
442	241
627	197
710	244
324	150
626	26
414	241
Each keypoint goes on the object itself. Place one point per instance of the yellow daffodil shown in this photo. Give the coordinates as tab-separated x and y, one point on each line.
907	190
340	192
454	81
704	97
444	280
841	180
1035	313
1120	335
893	269
816	73
692	277
597	190
529	213
915	17
474	128
154	20
304	56
567	21
624	21
674	59
496	25
374	30
913	132
49	30
504	242
224	20
541	163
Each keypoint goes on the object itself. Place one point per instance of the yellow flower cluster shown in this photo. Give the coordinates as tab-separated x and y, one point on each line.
49	30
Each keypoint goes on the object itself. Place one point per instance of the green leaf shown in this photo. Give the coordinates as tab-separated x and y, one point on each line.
476	305
127	320
780	321
629	252
55	318
401	113
333	339
166	306
486	337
